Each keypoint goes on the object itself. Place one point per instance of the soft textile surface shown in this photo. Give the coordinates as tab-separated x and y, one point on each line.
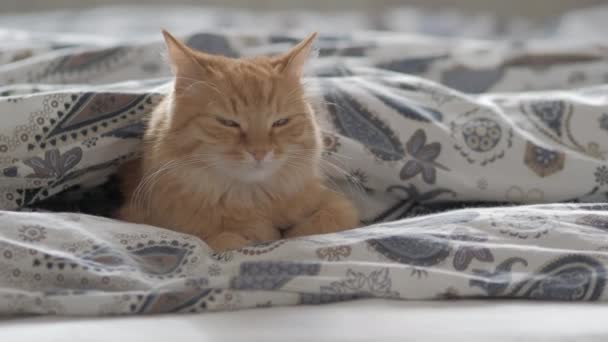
400	145
396	136
78	264
362	321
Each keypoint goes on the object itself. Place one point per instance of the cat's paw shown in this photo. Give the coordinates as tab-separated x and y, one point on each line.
337	214
129	214
227	241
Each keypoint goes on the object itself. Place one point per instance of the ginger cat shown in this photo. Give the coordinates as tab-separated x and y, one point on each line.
232	154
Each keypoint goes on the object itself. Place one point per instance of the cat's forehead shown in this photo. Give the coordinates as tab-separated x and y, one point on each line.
254	86
253	67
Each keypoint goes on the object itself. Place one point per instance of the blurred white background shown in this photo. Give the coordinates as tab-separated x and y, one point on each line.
528	8
575	20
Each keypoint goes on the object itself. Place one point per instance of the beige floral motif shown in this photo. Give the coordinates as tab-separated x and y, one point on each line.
261	248
449	293
542	161
482	184
553	118
227	300
335	253
331	143
32	233
480	136
518	195
593	150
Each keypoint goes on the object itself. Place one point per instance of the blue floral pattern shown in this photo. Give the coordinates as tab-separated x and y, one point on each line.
457	254
604	121
544	162
424	158
54	163
415	150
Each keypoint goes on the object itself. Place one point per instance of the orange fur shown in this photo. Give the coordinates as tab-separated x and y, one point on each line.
232	154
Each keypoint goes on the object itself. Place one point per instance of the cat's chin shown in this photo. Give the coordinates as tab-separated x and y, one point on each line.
253	175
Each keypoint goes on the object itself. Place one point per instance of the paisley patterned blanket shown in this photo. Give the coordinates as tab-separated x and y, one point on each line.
419	126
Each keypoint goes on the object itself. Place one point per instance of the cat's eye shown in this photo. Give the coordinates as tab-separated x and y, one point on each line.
280	122
228	122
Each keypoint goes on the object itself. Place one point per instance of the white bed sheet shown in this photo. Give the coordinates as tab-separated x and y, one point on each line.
365	320
372	320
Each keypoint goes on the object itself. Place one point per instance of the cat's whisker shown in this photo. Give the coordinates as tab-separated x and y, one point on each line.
330	168
141	195
145	180
303	153
301	163
346	175
150	188
332	153
324	168
141	192
327	104
335	164
164	139
340	155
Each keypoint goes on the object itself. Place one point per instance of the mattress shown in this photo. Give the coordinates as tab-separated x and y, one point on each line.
365	320
479	167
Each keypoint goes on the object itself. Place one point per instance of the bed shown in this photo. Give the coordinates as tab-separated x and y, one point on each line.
479	166
365	320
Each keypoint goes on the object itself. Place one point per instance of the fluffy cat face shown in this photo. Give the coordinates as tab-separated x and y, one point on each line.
246	119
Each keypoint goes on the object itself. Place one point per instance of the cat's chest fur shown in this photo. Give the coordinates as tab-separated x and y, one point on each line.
252	211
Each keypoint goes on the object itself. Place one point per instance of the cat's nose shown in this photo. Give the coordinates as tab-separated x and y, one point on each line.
258	155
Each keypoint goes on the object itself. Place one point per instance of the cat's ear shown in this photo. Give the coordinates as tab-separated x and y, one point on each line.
181	57
187	66
293	61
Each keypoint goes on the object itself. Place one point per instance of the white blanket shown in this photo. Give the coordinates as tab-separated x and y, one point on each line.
400	115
